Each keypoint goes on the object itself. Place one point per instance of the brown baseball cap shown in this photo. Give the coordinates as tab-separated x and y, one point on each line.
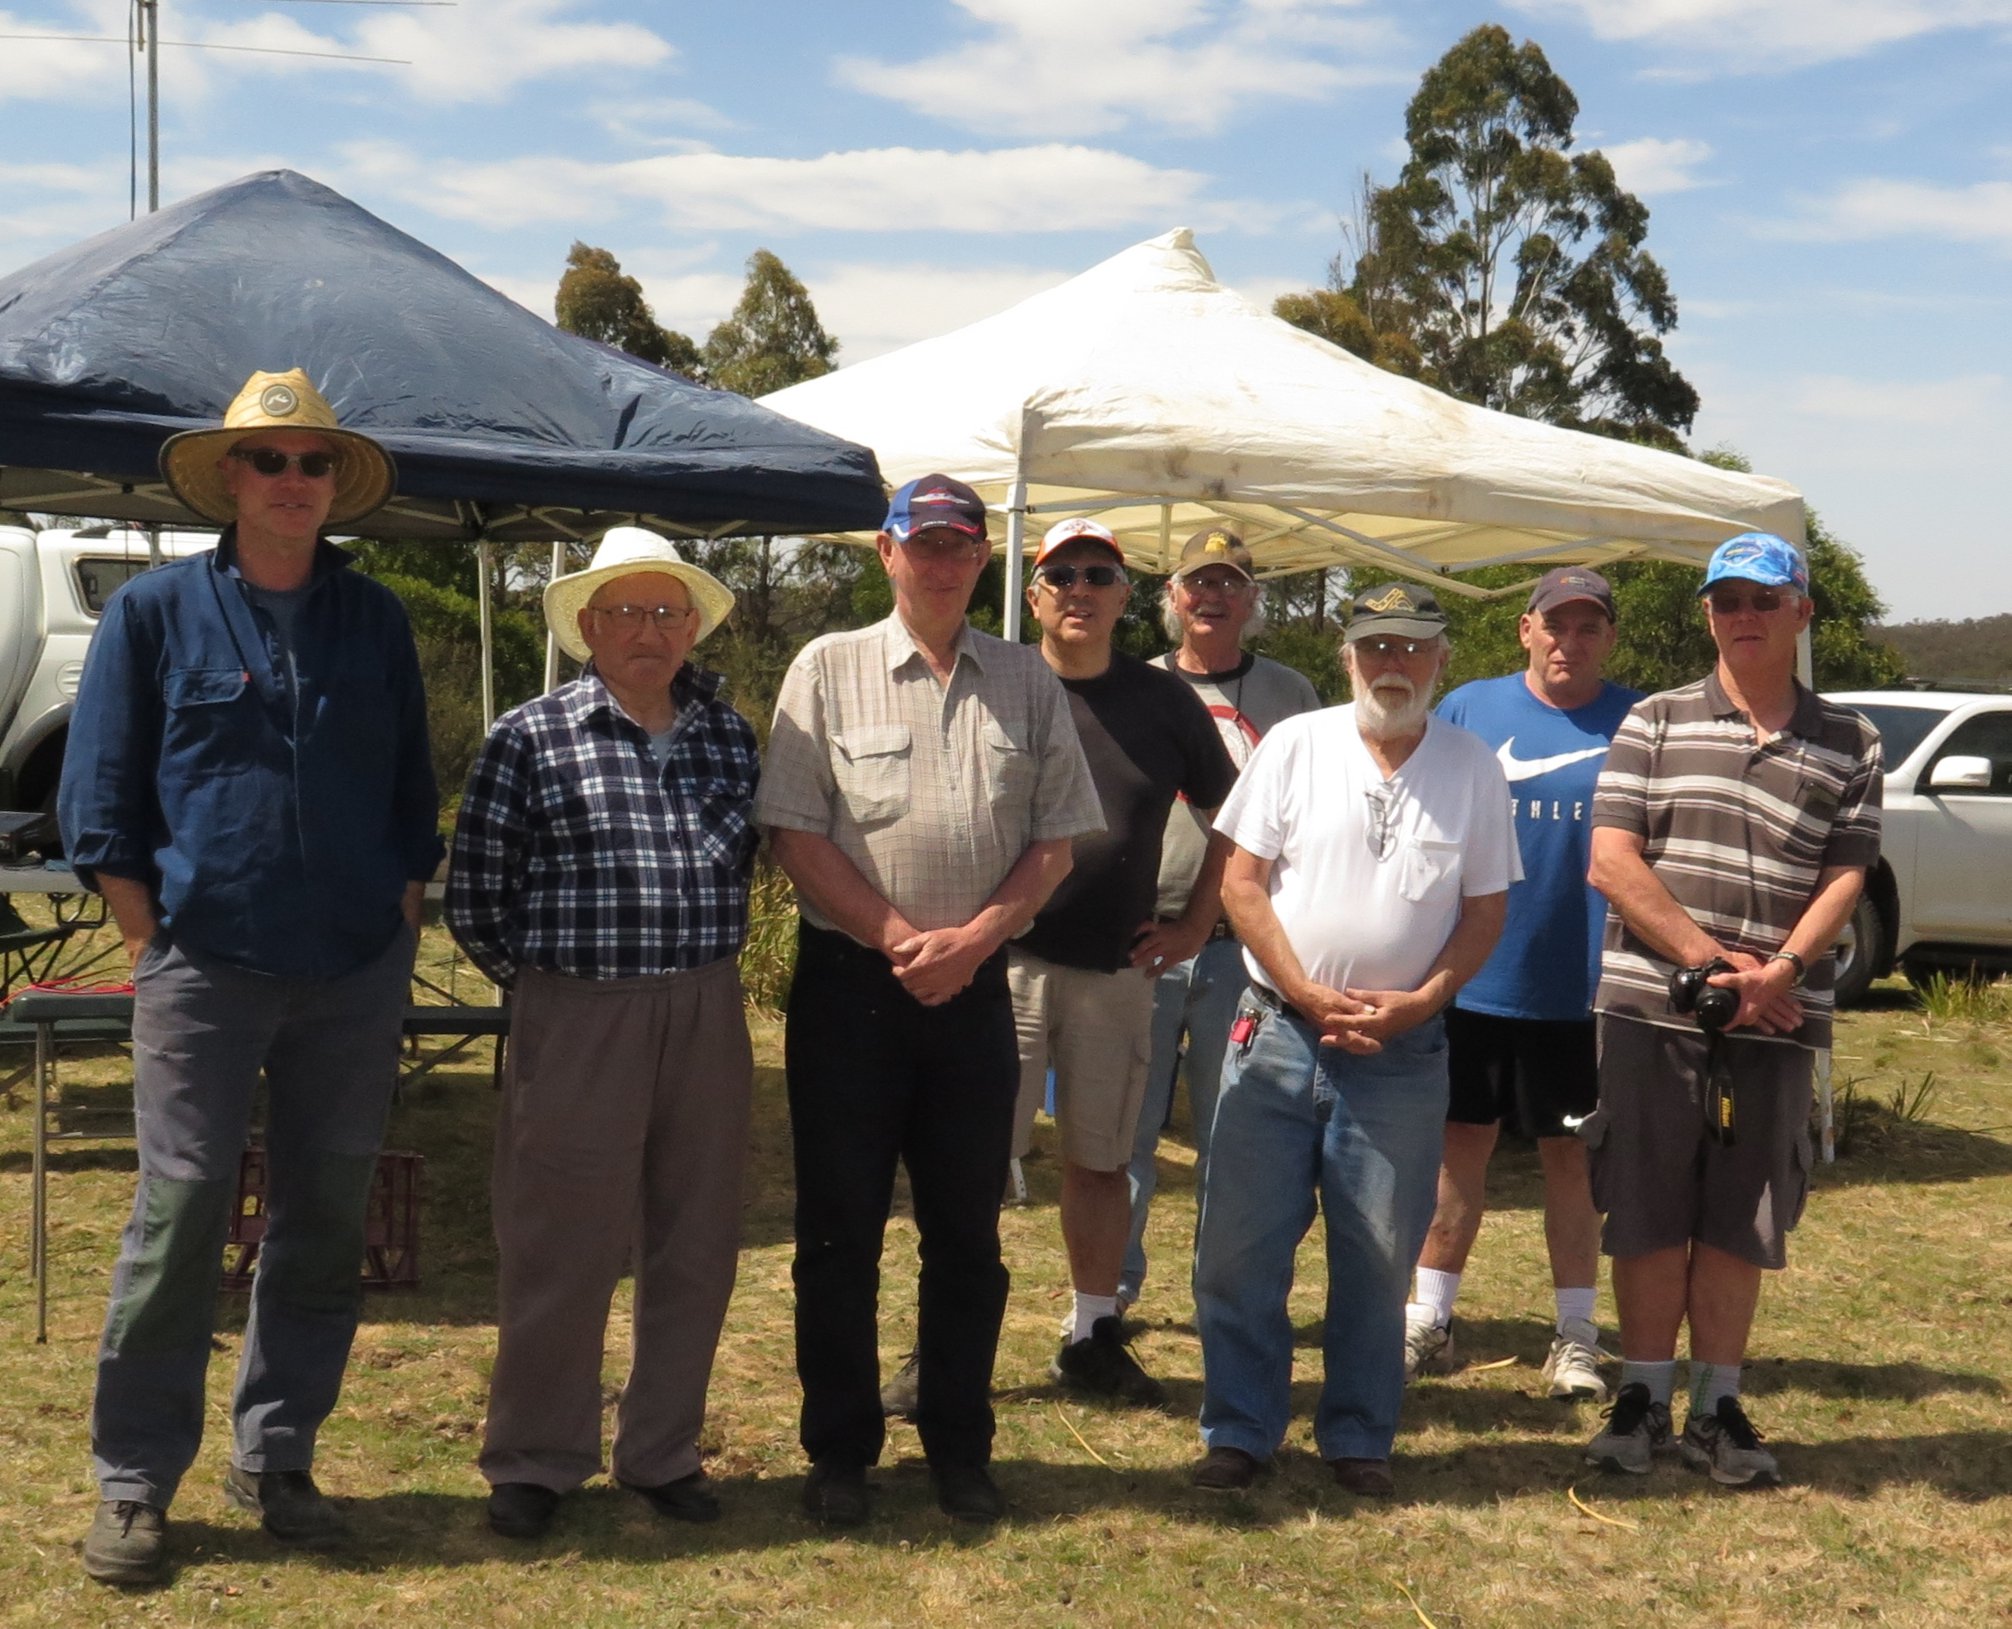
1215	546
1563	584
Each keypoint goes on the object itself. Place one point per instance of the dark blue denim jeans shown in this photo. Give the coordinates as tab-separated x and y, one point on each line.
1297	1124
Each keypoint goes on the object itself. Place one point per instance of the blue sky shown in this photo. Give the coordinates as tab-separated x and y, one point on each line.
1830	180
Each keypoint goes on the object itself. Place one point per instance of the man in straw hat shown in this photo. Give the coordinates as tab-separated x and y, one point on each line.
600	873
922	788
248	785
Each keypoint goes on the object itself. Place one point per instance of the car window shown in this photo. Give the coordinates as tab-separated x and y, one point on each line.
96	579
1989	735
1901	729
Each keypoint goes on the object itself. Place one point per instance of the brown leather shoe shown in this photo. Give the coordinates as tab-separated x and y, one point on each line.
1368	1478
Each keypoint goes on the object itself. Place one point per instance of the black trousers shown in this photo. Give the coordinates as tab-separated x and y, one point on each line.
874	1076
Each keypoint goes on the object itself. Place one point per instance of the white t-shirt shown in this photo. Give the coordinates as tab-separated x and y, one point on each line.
1312	800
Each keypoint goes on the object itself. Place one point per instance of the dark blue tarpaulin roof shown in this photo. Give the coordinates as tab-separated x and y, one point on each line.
502	425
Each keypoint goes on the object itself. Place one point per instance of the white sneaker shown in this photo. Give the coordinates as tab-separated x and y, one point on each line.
1573	1368
1428	1344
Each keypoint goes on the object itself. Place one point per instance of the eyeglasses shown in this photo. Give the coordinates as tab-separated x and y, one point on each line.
939	545
1227	582
1382	820
1386	648
1731	604
1061	577
270	461
630	618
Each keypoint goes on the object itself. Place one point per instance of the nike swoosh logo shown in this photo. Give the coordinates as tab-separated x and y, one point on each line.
1522	769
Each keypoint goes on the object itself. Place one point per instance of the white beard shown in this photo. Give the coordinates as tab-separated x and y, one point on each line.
1391	708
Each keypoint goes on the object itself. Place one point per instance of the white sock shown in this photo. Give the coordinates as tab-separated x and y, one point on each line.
1660	1378
1089	1308
1575	1304
1437	1290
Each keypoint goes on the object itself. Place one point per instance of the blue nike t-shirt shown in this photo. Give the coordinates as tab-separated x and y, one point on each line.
1552	759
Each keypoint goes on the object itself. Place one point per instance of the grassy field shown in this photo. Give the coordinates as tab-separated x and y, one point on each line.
1880	1374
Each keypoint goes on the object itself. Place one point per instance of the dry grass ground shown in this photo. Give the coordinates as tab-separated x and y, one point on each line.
1881	1371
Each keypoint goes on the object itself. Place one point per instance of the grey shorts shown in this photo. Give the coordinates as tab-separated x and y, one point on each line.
1659	1177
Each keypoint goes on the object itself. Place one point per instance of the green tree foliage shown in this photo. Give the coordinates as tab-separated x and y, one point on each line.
597	300
1977	650
1510	268
437	584
773	338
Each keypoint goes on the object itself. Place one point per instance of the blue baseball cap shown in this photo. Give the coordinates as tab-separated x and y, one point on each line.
930	502
1757	557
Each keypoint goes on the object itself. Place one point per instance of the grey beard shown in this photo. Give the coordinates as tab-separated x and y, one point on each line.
1382	721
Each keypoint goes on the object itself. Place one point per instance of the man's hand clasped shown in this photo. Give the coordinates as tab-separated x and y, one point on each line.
1768	1001
937	965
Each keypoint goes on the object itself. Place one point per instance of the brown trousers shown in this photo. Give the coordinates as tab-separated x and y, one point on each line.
620	1145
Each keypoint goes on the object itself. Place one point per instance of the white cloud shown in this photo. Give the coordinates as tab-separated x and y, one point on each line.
1064	68
878	190
1761	36
1876	208
1930	403
70	69
1652	165
879	306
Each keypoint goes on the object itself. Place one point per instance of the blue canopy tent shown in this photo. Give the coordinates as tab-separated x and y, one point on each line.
505	429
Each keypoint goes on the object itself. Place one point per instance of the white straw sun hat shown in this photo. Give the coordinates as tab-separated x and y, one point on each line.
624	551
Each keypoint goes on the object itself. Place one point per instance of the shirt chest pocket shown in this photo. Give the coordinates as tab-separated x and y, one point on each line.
1007	764
212	717
872	765
1428	872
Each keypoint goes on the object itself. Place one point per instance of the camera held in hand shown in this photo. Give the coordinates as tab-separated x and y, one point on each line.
1713	1006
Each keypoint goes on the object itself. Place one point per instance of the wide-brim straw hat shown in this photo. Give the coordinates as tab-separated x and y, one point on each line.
365	476
624	551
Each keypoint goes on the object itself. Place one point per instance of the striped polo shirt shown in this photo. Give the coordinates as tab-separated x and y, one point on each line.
1737	829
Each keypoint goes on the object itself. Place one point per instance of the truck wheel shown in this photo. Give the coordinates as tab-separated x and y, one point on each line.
1857	951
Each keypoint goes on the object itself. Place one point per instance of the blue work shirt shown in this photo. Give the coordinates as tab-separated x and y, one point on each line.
276	817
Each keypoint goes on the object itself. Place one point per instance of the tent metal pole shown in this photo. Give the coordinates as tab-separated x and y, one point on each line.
1016	548
150	11
484	557
551	640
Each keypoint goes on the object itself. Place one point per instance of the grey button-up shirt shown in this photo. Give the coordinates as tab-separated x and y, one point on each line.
932	790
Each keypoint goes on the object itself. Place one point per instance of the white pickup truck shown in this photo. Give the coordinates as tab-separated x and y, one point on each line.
53	585
1940	899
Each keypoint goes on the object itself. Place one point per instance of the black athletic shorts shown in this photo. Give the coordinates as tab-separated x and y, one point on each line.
1528	1073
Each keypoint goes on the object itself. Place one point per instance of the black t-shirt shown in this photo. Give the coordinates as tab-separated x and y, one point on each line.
1148	739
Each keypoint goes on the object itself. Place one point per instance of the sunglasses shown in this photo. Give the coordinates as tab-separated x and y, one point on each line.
1762	600
630	618
1382	829
1060	577
270	461
1386	648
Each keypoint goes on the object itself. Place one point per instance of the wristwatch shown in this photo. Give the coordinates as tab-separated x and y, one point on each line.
1789	956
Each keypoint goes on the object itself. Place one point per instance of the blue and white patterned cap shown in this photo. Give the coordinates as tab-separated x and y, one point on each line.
1757	557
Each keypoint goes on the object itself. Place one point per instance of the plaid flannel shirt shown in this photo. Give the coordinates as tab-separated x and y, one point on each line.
576	852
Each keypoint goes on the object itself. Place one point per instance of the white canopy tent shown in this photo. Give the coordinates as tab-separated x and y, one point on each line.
1147	394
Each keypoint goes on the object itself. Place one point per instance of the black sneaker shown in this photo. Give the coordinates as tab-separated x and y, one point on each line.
898	1396
127	1544
1104	1367
288	1505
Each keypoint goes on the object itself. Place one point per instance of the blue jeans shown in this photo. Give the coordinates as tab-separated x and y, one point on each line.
1198	997
1298	1123
203	1033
